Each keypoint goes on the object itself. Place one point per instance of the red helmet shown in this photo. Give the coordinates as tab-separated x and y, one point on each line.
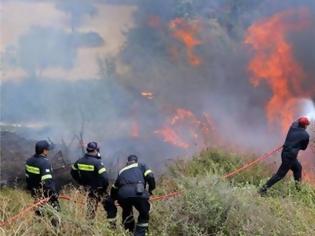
304	121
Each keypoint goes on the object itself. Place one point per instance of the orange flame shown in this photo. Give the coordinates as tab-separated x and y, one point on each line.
182	114
185	32
170	136
275	64
184	129
146	94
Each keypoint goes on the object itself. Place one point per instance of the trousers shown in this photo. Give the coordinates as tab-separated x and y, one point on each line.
142	205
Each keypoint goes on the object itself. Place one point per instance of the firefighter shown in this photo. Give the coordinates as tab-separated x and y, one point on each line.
90	172
39	178
130	189
297	139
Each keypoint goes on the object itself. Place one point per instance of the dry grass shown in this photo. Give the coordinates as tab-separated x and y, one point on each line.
209	205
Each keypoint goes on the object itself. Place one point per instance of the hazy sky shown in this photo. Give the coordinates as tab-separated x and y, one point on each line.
18	17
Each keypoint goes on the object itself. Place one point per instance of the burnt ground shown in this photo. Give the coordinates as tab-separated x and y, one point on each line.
15	150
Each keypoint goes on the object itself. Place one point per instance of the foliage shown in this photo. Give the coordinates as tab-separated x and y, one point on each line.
208	204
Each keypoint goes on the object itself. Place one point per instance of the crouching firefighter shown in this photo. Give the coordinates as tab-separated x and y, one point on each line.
90	173
39	178
297	139
130	191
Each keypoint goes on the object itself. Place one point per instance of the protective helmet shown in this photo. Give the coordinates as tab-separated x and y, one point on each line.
42	145
92	146
132	158
304	121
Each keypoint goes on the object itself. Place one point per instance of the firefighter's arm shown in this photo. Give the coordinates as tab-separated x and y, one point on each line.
149	178
75	173
102	175
305	143
114	189
47	179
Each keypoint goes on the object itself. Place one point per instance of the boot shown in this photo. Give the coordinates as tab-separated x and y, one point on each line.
263	191
129	223
141	229
298	186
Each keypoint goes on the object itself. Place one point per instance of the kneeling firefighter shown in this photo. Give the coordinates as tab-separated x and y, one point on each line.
130	191
90	173
39	178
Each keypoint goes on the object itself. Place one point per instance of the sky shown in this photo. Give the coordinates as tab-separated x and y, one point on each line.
19	17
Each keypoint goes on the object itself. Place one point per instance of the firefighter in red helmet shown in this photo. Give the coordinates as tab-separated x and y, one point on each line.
297	139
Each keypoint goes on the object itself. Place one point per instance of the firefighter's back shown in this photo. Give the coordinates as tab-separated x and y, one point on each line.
296	140
128	179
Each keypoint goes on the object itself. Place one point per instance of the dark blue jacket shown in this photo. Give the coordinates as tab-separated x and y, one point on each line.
128	177
89	171
39	175
297	139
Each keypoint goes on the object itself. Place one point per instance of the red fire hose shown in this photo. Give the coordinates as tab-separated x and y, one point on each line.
154	198
68	198
247	165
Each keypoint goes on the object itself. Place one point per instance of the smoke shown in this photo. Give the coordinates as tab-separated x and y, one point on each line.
42	48
179	56
308	108
77	9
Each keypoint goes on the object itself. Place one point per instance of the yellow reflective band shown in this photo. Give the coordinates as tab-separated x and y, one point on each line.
73	167
114	186
44	177
111	219
102	170
86	167
32	169
147	172
143	224
128	167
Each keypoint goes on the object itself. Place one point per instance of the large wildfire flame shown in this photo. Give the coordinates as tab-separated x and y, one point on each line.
184	129
275	64
185	32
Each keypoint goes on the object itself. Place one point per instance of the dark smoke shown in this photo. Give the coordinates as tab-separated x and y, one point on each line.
108	106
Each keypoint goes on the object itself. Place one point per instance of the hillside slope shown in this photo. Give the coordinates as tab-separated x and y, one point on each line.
208	204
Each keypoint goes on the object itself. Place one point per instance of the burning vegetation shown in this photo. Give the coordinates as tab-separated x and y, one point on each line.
188	77
186	32
184	130
189	74
274	63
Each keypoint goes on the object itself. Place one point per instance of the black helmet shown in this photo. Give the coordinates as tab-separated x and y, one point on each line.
92	146
42	145
132	158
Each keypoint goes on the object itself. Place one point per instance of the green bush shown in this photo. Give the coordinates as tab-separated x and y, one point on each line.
208	204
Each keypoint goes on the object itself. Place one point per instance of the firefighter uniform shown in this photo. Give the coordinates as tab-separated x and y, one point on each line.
39	177
297	139
90	172
130	191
